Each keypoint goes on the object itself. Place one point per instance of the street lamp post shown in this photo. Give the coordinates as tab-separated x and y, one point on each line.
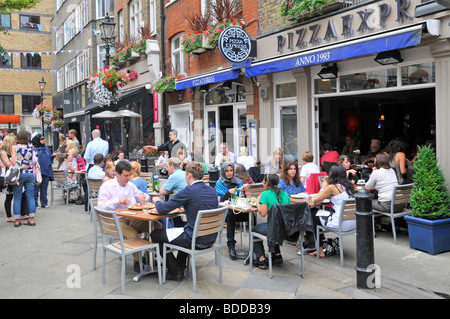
42	84
108	36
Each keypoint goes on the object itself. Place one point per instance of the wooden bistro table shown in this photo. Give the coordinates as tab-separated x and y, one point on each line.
248	211
151	217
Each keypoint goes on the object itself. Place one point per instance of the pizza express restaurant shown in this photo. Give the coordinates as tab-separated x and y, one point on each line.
373	71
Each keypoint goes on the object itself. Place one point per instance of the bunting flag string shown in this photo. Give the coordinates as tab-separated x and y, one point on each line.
46	28
48	53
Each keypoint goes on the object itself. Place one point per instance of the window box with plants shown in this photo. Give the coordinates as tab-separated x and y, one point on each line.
429	222
300	10
167	84
193	43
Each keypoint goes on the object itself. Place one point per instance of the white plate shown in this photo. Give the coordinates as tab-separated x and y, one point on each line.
300	195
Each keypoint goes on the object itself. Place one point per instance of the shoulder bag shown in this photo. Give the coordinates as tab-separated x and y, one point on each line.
12	175
37	173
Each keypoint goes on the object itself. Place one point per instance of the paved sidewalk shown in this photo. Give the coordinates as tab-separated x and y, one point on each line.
40	262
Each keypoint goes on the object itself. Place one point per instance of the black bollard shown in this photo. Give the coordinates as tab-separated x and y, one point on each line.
144	164
364	240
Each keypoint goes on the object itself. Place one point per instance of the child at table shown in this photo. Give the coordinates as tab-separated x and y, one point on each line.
63	159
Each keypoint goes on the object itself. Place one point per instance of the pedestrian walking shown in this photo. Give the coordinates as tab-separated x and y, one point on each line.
45	159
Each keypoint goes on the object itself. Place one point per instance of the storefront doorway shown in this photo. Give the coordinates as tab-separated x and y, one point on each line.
226	121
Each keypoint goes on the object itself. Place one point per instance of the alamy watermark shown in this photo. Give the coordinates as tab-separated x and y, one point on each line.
74	278
374	279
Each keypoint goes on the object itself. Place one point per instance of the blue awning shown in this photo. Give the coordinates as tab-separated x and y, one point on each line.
393	40
207	79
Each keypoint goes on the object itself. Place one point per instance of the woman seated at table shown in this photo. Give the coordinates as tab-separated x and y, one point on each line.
290	179
225	187
270	196
110	171
346	162
136	178
337	188
383	180
275	164
243	175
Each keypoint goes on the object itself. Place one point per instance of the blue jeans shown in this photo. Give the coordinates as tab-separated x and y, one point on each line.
27	181
42	188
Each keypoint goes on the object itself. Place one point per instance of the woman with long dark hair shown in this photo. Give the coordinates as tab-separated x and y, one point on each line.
397	159
290	179
337	188
270	196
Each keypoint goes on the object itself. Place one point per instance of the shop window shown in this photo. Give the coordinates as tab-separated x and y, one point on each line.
6	104
29	22
324	86
29	102
369	80
418	74
286	90
6	60
220	96
30	61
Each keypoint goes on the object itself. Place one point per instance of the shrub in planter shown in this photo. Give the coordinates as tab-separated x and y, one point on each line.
429	197
298	9
192	42
429	223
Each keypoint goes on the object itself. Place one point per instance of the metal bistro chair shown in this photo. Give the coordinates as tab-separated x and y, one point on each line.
60	182
400	195
207	222
110	229
298	207
348	208
254	191
93	187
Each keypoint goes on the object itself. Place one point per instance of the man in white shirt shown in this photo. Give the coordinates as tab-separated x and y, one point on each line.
118	193
308	167
97	172
94	147
224	153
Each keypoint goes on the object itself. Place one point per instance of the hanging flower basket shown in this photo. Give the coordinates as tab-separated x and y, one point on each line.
193	43
57	125
106	85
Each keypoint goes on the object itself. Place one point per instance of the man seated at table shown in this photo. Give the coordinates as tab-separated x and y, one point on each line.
175	183
177	178
196	196
118	193
97	172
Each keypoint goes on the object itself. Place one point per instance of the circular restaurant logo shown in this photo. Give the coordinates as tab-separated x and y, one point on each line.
234	44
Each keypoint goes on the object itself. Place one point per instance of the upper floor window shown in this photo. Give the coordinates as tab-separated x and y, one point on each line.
83	66
70	73
60	80
153	16
121	34
5	21
29	102
6	60
6	104
135	18
104	6
30	61
178	56
29	22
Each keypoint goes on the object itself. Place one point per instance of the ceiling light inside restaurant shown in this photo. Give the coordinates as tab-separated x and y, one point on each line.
329	72
204	89
389	57
227	85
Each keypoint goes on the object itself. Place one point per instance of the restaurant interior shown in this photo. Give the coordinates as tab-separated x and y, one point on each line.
409	114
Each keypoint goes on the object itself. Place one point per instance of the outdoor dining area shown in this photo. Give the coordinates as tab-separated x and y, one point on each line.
329	205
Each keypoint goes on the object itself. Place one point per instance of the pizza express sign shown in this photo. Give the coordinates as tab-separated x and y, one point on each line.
235	44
